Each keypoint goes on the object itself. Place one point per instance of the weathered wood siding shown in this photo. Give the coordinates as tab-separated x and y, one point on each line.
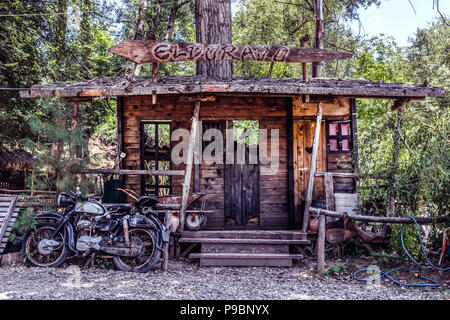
304	121
271	114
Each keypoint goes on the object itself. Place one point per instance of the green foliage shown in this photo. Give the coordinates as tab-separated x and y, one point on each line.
260	22
59	149
419	182
48	48
337	269
25	222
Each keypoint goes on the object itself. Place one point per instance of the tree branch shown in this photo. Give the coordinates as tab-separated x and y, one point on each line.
437	9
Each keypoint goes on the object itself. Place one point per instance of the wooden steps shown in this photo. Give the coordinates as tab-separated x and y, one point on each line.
245	247
8	214
245	259
247	234
244	241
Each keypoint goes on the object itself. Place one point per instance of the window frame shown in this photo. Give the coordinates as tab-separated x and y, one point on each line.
143	157
339	137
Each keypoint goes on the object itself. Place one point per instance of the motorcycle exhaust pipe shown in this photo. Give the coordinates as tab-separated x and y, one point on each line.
135	250
126	234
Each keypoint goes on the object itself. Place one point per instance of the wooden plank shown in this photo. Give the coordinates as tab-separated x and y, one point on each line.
302	109
246	255
132	172
118	86
312	169
244	241
143	51
189	164
119	122
354	134
321	246
329	191
291	167
247	262
400	220
165	262
7	219
188	249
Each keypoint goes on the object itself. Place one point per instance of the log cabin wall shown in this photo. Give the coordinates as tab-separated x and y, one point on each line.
271	114
304	113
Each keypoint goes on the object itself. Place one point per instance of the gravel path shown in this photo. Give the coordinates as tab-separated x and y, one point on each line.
185	280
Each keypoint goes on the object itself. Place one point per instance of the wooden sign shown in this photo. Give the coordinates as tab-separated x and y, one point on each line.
142	51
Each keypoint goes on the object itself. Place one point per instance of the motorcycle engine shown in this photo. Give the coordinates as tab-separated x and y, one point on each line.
85	243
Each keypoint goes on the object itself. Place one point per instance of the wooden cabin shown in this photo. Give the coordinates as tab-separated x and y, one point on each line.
256	209
15	166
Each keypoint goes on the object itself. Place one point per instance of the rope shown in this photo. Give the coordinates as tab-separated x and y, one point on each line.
430	283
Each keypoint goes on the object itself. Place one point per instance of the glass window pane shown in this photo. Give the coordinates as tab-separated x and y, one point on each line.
333	129
164	136
162	179
163	191
333	145
345	129
345	144
149	135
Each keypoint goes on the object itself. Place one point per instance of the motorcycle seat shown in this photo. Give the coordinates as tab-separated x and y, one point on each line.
118	208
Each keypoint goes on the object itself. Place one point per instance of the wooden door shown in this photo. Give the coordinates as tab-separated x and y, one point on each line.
241	189
302	149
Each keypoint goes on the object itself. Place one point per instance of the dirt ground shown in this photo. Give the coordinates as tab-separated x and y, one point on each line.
186	280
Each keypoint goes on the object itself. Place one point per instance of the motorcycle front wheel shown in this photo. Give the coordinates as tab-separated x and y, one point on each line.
39	257
146	260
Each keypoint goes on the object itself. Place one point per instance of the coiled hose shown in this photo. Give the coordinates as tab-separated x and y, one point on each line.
430	283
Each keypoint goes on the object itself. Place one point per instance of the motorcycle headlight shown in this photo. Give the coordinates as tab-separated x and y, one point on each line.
65	200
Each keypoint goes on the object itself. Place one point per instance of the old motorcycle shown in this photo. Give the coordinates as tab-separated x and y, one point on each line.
132	234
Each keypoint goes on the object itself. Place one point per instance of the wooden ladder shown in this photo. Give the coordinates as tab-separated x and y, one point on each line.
9	211
312	171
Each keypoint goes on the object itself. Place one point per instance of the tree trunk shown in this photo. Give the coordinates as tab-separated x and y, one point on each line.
139	35
392	192
320	36
213	25
60	34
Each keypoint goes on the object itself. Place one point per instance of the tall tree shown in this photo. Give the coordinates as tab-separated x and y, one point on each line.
319	12
138	35
213	25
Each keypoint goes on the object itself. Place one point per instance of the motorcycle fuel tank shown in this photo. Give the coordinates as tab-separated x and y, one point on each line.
90	208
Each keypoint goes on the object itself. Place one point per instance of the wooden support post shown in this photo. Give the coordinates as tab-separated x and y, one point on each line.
303	41
119	113
155	71
270	69
354	134
401	220
329	192
189	164
321	245
188	250
312	169
165	263
291	173
74	124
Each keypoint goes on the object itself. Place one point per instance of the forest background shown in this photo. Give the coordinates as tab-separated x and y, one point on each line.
66	40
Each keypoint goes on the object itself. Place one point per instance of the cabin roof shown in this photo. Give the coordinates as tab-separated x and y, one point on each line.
132	86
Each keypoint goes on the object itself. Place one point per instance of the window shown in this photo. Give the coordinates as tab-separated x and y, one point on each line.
338	137
155	155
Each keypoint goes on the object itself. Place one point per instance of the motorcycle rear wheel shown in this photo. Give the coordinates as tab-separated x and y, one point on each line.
30	249
144	262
